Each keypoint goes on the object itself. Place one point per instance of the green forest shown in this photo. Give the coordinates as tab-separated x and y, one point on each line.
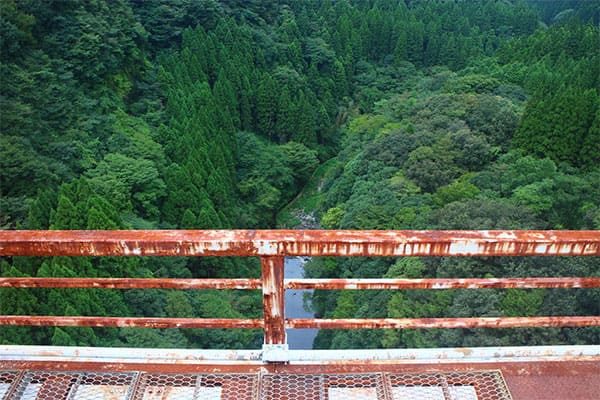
366	114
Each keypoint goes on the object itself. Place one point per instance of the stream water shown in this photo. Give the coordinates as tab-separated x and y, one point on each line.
294	306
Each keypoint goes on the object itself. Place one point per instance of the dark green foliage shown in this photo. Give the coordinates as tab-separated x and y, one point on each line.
268	175
564	65
434	154
560	11
558	126
266	106
206	114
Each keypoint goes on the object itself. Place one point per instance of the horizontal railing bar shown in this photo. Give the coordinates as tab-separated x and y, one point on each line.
309	284
298	323
131	283
446	323
444	283
130	322
299	243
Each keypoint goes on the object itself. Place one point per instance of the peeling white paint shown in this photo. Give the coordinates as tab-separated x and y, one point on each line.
265	248
505	235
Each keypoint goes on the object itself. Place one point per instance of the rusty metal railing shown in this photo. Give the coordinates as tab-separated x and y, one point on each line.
273	245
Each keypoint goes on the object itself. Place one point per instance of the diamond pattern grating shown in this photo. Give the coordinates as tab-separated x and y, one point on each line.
48	385
480	385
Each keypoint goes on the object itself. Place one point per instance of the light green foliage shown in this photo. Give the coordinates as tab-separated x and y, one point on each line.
472	83
460	189
535	196
135	138
129	183
345	307
366	125
332	218
402	186
409	267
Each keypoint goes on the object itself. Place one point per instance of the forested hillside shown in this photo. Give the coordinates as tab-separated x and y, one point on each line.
129	114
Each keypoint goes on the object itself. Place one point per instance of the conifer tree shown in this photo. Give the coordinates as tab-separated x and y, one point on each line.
266	106
305	131
188	220
401	48
65	216
285	116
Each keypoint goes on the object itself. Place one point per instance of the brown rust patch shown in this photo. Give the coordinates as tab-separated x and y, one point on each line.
299	242
466	351
130	322
130	283
446	323
273	299
444	283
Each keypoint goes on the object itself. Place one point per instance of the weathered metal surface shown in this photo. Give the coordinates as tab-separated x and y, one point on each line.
444	283
273	299
299	243
322	284
457	354
125	354
212	367
144	356
543	377
273	245
10	394
544	380
553	368
130	322
131	283
447	323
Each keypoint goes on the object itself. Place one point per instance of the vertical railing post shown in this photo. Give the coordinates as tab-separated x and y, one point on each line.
273	299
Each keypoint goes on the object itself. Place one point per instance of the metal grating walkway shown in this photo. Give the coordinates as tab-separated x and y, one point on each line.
49	385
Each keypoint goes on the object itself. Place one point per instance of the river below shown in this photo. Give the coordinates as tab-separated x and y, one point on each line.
294	306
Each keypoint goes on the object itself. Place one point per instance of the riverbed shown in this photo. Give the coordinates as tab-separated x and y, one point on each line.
294	306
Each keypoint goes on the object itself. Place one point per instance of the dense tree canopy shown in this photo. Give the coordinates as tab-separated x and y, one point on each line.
132	114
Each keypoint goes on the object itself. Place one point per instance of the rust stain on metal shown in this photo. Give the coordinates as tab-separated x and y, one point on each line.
447	323
322	284
273	245
444	283
531	380
130	283
10	394
55	387
130	322
238	367
571	367
273	299
299	243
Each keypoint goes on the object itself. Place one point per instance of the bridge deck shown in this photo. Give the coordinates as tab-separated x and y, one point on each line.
550	372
